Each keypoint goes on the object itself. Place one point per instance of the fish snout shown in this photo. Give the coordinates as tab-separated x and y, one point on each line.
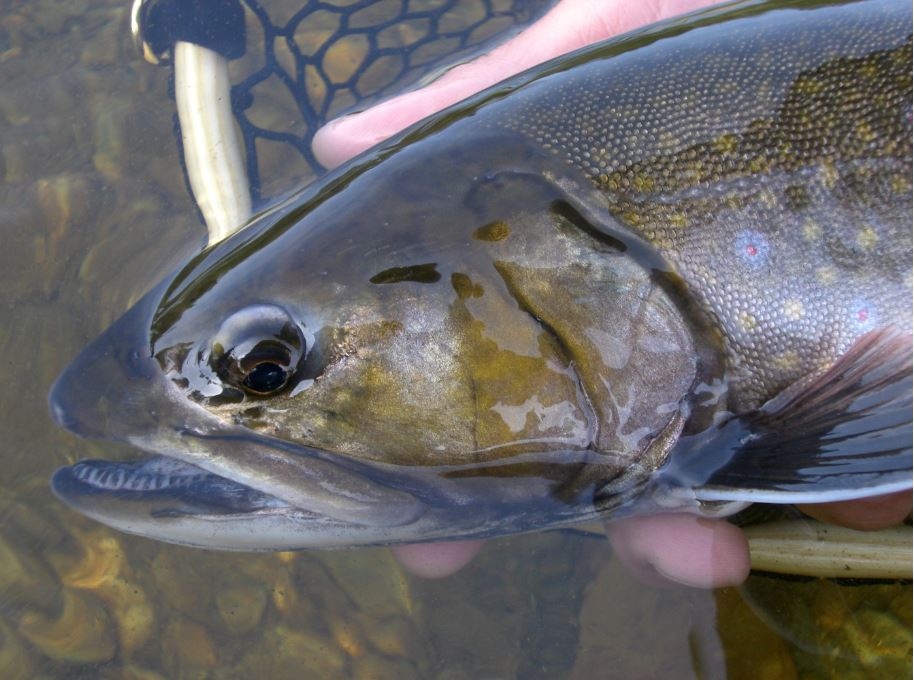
60	406
112	381
96	388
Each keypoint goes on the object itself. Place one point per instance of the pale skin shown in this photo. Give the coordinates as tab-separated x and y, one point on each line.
661	549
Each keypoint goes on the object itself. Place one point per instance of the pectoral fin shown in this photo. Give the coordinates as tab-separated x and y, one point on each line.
843	435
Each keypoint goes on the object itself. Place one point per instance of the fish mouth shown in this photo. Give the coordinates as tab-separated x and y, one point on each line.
323	499
178	487
166	499
242	480
173	501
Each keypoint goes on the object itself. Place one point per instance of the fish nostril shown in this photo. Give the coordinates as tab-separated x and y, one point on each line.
140	364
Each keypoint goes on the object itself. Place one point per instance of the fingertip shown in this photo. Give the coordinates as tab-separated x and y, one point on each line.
703	553
347	137
436	560
730	558
865	514
337	142
681	549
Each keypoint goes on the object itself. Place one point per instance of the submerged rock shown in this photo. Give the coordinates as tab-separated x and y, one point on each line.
81	633
104	571
241	603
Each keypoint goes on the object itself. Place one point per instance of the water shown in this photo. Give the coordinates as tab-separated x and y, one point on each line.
94	212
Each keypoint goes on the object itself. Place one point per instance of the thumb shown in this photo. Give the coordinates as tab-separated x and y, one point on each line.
567	26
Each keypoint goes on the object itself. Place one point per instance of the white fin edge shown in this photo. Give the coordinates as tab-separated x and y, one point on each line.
785	497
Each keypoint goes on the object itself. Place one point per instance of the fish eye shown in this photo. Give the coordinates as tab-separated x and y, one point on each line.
257	349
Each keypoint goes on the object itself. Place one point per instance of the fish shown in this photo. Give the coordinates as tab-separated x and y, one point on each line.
671	271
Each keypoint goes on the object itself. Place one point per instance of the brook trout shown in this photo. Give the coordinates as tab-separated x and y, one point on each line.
671	271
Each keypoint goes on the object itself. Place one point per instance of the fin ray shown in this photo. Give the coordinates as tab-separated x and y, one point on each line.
843	434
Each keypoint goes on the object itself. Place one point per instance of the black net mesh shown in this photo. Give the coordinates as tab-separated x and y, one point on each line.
305	63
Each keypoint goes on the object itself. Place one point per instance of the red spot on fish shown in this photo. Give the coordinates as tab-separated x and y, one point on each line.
864	314
752	248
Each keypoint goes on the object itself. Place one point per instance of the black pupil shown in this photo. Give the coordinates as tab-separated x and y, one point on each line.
266	377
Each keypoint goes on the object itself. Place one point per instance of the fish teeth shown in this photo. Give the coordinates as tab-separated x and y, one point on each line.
119	478
152	475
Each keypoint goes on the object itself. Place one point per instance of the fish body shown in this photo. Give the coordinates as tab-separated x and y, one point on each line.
669	271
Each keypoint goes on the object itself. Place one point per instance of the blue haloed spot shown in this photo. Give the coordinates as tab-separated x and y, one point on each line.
752	248
863	315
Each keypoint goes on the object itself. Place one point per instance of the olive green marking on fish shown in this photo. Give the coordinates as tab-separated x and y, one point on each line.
797	197
867	238
493	232
518	399
464	286
419	273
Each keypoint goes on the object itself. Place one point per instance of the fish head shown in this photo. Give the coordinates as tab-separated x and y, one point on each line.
407	355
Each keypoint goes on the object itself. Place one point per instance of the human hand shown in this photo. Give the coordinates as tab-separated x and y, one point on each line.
676	547
660	549
569	25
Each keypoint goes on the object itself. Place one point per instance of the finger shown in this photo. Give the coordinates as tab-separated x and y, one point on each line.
681	548
569	25
866	514
436	560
